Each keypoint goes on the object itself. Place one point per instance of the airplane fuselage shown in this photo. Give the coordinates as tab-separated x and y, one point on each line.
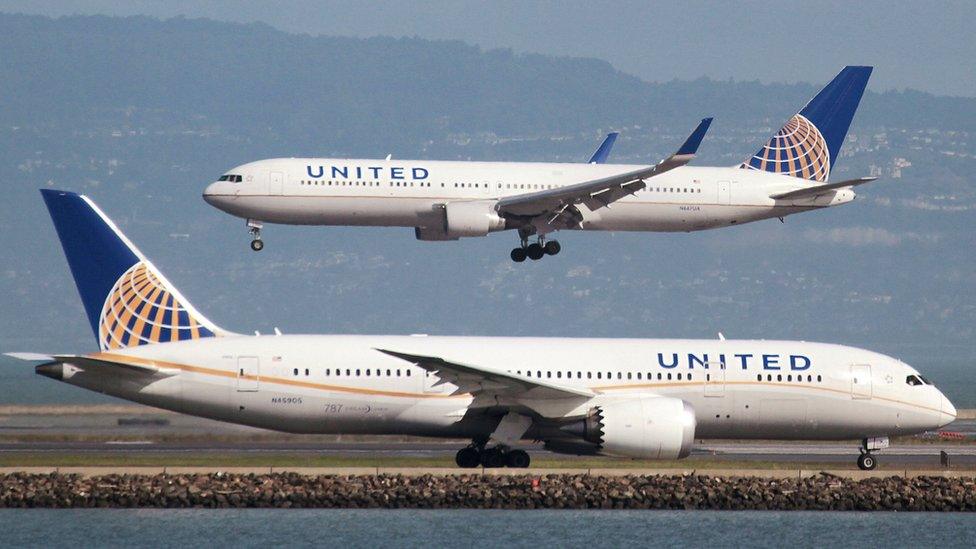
412	193
343	384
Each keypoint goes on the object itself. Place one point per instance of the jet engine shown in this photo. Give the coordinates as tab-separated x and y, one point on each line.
645	427
472	218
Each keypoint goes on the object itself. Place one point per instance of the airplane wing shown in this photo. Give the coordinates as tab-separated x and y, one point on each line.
475	379
601	154
559	205
90	362
811	192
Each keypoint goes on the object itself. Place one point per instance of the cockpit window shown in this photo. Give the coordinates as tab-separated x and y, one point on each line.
914	380
924	379
231	177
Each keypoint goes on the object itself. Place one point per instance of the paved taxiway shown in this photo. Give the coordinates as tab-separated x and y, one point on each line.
63	431
739	454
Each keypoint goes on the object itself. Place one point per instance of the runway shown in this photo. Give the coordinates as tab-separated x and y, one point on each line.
119	432
735	453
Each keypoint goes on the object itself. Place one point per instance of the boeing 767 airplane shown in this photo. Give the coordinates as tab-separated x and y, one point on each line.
450	200
633	398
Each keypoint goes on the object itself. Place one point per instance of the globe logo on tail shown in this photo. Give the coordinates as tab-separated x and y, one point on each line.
798	150
141	310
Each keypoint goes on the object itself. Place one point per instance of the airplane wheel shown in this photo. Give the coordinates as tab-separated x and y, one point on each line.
518	255
535	252
552	247
493	458
467	458
518	459
866	462
257	245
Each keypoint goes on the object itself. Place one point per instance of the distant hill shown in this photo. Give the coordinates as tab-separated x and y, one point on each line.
141	114
347	92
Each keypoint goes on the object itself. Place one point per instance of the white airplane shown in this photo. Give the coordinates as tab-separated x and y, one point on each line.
636	398
449	200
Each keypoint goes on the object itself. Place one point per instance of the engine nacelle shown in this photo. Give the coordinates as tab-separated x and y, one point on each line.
472	218
645	427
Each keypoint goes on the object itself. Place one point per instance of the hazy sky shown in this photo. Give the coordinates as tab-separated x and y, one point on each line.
923	45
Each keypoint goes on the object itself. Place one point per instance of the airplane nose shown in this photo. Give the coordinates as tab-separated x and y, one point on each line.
215	194
948	412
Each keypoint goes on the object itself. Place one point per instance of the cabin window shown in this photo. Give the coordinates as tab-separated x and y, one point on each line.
669	376
296	371
679	376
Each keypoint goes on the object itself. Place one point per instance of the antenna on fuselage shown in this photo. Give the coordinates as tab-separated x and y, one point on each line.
721	336
389	156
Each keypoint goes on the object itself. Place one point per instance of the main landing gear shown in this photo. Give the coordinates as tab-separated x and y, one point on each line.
536	250
866	461
499	456
254	228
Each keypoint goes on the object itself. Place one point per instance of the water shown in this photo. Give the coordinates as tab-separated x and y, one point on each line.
468	528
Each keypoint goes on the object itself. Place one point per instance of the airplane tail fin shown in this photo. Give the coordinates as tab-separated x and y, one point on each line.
128	301
808	145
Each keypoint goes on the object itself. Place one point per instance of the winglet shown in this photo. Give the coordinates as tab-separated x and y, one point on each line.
601	154
691	144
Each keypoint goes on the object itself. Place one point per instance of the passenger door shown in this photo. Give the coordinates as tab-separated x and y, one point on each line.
715	380
861	381
724	193
275	183
248	374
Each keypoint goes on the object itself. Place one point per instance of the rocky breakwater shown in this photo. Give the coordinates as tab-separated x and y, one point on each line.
822	492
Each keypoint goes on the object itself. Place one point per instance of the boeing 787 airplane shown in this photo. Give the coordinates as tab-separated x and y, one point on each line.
450	200
633	398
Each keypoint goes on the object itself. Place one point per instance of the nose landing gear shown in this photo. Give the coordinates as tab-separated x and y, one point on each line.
536	250
254	228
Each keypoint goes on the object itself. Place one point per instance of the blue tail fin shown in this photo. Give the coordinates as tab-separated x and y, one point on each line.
808	145
601	154
127	300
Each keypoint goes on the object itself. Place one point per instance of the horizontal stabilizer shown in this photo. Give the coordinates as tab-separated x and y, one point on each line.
811	192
